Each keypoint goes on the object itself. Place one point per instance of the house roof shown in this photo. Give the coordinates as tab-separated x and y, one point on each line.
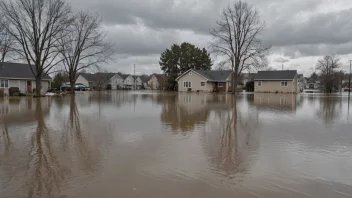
160	77
211	75
124	76
89	77
145	78
18	71
276	75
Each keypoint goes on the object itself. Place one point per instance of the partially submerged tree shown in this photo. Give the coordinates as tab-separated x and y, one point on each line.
35	26
181	58
328	71
82	45
236	38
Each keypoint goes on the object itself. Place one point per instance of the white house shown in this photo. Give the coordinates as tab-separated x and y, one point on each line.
92	80
21	76
131	82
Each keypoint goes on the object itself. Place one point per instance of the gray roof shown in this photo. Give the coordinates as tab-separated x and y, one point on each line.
93	77
215	75
276	75
124	76
18	71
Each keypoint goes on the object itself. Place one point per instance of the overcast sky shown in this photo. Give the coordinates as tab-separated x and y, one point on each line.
300	31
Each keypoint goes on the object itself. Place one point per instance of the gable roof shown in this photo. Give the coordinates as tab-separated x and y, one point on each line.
276	75
97	76
211	75
124	76
145	78
18	71
160	77
88	77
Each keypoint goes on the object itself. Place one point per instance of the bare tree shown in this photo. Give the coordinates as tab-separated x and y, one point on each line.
6	41
35	25
236	37
328	71
82	46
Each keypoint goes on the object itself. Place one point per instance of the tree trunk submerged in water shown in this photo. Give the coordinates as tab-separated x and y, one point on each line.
38	87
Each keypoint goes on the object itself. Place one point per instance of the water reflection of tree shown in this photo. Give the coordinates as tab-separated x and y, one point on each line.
329	109
178	117
87	156
43	170
231	141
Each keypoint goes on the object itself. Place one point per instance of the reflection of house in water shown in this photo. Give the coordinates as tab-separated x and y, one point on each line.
276	102
185	110
22	109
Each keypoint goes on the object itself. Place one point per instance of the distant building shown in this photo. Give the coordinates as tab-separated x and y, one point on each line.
276	82
158	82
205	81
21	76
100	80
301	82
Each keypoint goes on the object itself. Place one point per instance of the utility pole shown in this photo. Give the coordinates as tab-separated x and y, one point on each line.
134	76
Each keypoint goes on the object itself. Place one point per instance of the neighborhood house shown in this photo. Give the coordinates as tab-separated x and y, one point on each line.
276	81
158	81
21	76
205	81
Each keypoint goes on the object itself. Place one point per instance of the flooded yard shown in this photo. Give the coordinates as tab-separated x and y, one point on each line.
151	144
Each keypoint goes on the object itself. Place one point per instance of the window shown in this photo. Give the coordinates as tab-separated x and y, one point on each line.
283	83
259	83
202	84
4	83
220	85
187	84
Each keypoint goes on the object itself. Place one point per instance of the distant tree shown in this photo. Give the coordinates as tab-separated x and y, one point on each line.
82	45
59	79
328	69
181	58
314	76
6	40
236	38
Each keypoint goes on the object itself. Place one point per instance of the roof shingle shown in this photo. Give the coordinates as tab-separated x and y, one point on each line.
276	75
18	71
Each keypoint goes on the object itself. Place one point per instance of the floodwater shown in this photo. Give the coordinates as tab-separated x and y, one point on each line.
147	144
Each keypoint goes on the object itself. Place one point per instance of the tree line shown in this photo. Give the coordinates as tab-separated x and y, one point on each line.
48	33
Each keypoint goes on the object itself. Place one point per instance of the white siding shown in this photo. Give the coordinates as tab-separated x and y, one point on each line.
22	85
82	80
115	81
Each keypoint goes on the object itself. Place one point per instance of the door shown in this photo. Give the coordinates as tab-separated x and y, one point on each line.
29	86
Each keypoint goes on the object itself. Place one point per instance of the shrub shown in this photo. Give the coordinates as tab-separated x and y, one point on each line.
2	94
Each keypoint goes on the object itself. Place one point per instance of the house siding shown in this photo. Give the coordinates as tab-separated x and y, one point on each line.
22	85
195	80
116	81
82	80
153	83
275	86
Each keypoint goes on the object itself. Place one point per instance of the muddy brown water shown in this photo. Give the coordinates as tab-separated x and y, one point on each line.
150	144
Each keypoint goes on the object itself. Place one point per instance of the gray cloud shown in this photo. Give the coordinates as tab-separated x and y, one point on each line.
142	29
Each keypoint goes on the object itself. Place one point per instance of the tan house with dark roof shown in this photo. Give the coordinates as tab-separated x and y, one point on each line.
276	82
158	82
205	81
21	76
